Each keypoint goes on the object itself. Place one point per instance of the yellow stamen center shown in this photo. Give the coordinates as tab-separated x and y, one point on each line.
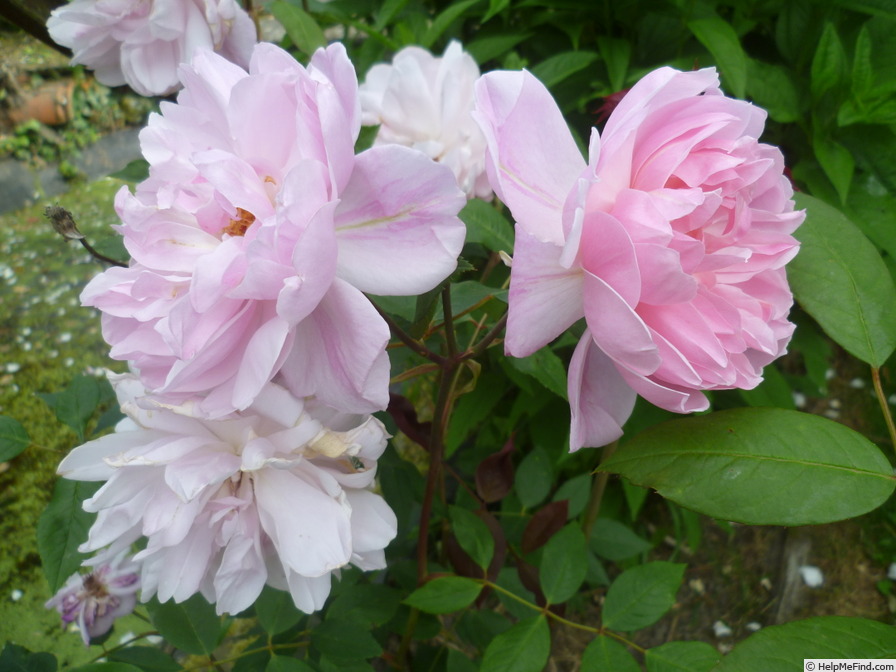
239	226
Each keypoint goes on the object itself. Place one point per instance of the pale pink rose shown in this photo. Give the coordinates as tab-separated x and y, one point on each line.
424	101
671	242
279	494
94	600
257	232
141	43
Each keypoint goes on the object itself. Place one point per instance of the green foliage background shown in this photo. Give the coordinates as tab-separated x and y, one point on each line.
826	73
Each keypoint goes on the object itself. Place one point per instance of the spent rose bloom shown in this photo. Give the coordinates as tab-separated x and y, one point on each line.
257	231
671	242
96	599
279	494
424	101
141	43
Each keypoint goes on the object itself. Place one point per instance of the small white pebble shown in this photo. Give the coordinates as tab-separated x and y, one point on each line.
26	331
697	586
857	384
16	595
830	374
65	337
69	361
812	576
26	346
724	648
127	637
155	640
753	626
835	403
891	399
53	353
832	414
721	629
13	367
799	399
766	583
891	571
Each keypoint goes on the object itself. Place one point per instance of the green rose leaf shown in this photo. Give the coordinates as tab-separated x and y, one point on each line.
276	611
841	281
564	564
782	648
545	367
13	438
473	535
62	528
444	594
723	43
681	657
614	541
147	658
604	654
523	648
300	26
487	226
343	641
759	466
641	595
192	626
286	664
15	658
559	67
534	478
75	405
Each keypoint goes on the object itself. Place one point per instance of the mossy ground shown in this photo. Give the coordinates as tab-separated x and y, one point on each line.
46	338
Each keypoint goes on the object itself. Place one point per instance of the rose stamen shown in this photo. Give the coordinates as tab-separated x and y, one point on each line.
239	226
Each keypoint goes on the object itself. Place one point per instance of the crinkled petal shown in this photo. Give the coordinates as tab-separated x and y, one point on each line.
671	397
339	353
600	400
309	528
545	298
374	523
397	223
532	160
617	329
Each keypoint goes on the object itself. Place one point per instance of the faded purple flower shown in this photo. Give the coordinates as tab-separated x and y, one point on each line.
95	600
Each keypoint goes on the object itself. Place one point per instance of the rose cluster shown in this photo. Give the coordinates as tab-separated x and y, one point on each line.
248	454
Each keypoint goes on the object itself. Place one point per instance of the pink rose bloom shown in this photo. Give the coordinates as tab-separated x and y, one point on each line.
280	494
93	601
424	101
141	43
257	231
671	242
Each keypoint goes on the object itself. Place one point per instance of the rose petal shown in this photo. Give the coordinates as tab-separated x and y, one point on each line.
397	224
532	160
545	298
600	400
